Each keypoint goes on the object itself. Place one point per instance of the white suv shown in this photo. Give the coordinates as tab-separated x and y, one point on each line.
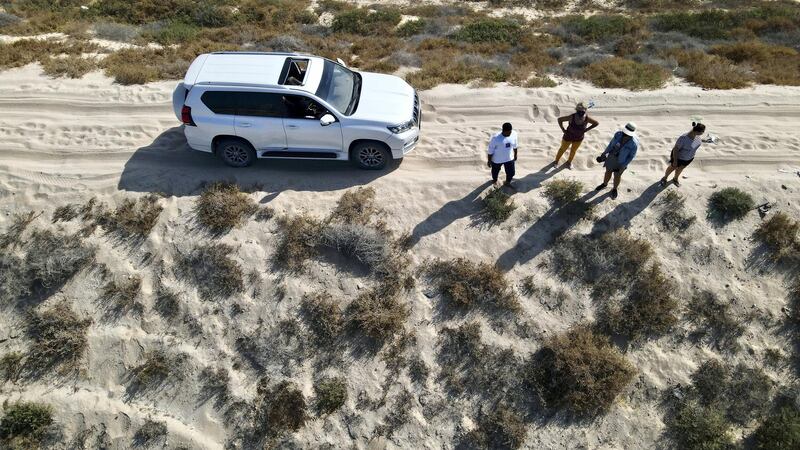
242	106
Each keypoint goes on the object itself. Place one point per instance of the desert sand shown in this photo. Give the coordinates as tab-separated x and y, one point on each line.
65	141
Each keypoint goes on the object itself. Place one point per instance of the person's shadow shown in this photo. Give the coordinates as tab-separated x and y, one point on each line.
623	213
534	180
449	212
547	229
168	166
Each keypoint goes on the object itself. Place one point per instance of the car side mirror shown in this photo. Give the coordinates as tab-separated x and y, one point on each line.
326	120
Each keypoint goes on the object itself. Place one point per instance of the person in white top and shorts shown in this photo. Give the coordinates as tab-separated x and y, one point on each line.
683	152
502	153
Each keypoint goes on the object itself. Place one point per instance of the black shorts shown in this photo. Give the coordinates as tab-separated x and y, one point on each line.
681	162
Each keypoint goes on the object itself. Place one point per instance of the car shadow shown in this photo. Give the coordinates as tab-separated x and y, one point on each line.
168	166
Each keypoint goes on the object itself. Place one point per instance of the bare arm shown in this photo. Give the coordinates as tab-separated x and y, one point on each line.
561	121
592	123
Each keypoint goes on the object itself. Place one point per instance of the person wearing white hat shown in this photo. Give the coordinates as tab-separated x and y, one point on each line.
619	153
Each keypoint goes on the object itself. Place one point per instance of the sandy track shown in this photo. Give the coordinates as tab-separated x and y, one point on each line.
92	134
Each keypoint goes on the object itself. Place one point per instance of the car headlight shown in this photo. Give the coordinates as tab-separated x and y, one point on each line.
402	127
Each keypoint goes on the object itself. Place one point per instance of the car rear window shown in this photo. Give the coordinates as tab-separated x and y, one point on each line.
259	104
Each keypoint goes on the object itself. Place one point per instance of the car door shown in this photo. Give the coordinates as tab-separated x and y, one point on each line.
304	133
259	119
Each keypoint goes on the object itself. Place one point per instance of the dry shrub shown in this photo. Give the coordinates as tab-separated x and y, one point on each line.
123	294
781	429
222	206
66	213
158	367
300	235
24	424
695	427
674	216
132	218
580	370
27	51
380	312
323	315
369	246
748	394
53	259
443	63
72	66
14	281
470	366
280	408
13	236
779	234
167	303
625	73
773	64
331	394
265	213
466	284
649	309
10	366
589	258
355	206
597	28
705	310
502	427
560	192
59	338
214	273
711	71
498	205
150	432
729	204
119	32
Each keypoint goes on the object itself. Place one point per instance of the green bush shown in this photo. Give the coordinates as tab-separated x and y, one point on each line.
23	424
412	27
773	64
498	205
331	394
465	283
781	430
695	427
730	204
563	191
600	28
494	30
624	73
711	71
580	370
710	382
364	22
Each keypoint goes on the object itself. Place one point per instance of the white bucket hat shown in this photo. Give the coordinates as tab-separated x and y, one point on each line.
629	129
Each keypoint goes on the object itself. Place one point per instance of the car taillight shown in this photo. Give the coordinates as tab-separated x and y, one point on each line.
186	116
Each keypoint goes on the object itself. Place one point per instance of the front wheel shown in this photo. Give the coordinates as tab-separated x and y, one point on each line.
236	153
370	155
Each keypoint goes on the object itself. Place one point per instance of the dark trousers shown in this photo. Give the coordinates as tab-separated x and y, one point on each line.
509	168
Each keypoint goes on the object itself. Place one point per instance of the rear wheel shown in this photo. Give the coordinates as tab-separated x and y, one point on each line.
370	155
236	152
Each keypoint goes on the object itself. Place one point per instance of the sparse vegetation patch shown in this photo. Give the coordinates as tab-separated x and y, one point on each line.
59	339
222	206
323	316
581	371
498	205
331	394
213	271
560	192
780	234
24	423
469	284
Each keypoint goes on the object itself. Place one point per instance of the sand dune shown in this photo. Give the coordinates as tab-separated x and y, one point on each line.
68	140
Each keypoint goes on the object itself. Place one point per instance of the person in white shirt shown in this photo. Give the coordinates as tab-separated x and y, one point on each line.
502	153
683	152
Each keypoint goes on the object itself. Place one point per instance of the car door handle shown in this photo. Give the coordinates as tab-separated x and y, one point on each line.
245	125
291	126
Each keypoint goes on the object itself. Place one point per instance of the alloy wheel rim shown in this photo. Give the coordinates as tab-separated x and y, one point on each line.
236	154
371	157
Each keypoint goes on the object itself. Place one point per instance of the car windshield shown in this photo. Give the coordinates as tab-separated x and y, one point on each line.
340	87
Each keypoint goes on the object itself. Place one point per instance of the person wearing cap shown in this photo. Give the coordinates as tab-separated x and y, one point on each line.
683	152
503	152
619	153
578	124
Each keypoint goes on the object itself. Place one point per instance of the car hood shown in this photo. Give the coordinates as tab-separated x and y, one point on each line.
385	98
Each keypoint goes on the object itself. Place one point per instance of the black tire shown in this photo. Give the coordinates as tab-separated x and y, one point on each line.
236	152
370	155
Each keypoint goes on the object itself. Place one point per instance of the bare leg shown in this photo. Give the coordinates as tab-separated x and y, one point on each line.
670	168
678	172
607	177
617	178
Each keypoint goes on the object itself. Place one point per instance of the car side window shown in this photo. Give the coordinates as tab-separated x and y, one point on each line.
220	102
259	104
301	107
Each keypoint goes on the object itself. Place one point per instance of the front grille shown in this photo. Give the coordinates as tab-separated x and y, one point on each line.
417	110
